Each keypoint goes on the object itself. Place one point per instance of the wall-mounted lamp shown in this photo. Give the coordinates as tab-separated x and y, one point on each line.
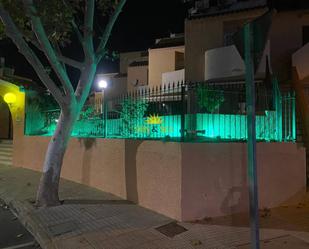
10	98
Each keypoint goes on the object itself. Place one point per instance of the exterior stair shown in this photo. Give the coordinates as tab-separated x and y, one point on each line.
6	151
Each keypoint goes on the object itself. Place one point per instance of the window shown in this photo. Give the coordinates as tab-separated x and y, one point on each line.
179	60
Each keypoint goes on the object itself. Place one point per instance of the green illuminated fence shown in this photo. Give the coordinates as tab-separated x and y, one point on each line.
179	112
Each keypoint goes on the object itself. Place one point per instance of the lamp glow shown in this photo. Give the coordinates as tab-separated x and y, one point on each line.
10	98
102	84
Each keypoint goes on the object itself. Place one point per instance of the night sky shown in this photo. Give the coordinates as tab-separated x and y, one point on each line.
140	23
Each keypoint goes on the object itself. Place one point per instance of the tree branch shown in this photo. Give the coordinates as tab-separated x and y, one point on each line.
104	39
59	53
70	62
35	43
49	52
85	83
66	60
88	31
88	74
16	36
77	31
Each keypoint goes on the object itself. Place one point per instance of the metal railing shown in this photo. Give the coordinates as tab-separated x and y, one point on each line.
181	112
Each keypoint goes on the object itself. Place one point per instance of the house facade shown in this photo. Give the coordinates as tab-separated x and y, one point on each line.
206	51
166	61
210	47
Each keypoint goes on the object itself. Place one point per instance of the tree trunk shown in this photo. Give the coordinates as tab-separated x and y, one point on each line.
47	194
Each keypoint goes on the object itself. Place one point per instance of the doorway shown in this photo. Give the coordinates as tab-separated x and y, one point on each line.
6	124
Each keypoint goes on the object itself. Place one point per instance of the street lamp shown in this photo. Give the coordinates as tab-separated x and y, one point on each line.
102	84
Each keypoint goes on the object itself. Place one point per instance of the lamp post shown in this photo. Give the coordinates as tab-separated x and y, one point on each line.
102	83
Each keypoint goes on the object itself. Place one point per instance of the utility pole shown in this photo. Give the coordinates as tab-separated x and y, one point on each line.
251	144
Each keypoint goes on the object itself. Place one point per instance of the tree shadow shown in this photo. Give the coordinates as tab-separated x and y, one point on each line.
236	200
131	147
88	143
237	197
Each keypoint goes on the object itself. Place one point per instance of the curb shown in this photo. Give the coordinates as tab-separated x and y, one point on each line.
22	210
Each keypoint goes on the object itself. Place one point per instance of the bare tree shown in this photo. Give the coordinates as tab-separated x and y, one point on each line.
47	26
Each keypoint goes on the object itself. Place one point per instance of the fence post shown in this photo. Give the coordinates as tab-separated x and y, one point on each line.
278	108
104	118
183	111
294	117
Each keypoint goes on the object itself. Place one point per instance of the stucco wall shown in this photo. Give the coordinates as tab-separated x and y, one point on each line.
95	162
127	58
137	74
118	86
4	120
183	181
162	60
159	177
214	177
300	61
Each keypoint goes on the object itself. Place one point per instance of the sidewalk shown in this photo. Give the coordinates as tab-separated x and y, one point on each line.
90	218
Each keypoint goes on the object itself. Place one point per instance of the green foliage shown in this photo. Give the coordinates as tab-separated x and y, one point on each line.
40	102
209	99
132	114
56	16
36	105
89	112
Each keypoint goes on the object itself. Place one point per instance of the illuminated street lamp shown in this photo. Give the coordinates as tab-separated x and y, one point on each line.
102	84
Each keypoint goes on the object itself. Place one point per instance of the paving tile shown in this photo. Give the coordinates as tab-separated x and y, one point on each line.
78	242
62	228
285	242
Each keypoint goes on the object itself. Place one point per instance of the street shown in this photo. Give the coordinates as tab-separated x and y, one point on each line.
12	233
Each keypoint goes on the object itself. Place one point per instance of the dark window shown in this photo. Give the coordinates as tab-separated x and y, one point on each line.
179	60
305	35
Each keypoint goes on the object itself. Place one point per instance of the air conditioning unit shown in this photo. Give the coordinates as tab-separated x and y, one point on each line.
202	4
